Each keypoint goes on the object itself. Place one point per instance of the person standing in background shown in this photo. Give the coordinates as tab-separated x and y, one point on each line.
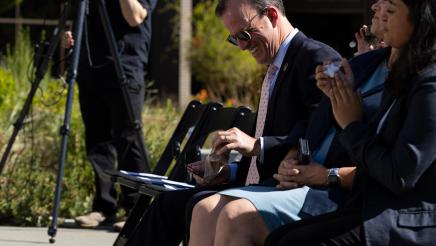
110	136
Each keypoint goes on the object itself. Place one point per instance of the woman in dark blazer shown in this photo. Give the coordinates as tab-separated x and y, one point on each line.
394	185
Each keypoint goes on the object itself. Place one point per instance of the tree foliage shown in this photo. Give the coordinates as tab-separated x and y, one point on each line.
27	184
8	4
226	71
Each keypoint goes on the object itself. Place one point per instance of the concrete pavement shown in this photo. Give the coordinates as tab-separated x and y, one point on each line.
30	236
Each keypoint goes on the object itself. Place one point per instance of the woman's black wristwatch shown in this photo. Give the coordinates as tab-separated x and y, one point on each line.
333	177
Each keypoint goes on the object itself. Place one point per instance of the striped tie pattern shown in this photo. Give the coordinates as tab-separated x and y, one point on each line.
253	174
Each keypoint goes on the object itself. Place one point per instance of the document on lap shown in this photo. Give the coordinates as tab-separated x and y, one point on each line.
147	175
157	180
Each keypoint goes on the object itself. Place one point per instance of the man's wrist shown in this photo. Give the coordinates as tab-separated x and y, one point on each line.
256	147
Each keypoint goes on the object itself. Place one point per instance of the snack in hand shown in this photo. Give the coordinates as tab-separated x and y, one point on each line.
213	164
332	68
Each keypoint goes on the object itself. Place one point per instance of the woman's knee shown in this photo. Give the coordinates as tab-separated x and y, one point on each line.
237	212
206	205
241	220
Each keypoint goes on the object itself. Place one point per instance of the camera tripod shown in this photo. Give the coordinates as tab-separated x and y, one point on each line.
42	66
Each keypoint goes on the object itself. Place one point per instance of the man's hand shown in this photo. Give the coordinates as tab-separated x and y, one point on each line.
235	139
68	40
291	155
221	178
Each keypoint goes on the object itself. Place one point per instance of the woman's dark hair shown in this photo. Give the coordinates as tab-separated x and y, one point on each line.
420	51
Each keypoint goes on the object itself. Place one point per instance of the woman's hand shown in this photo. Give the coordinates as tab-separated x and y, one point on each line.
346	103
362	44
292	175
323	81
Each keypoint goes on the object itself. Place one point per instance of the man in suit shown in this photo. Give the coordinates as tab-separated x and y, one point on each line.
250	219
289	94
264	208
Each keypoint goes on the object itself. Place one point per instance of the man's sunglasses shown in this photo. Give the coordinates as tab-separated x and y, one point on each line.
243	35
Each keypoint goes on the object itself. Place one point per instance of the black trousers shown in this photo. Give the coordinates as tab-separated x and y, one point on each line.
339	228
110	138
167	219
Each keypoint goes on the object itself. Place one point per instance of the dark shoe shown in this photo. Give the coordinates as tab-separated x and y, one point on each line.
94	219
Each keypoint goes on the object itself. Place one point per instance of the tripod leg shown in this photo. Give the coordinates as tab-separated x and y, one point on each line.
39	75
134	120
64	131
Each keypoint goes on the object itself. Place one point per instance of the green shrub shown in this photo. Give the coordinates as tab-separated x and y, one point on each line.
8	4
18	59
27	184
227	72
7	87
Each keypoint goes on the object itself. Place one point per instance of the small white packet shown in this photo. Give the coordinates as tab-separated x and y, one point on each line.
332	68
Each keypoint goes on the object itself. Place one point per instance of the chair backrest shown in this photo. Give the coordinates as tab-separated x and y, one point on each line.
245	120
218	118
190	118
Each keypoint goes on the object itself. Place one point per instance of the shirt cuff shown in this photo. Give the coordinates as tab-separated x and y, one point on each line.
233	171
261	152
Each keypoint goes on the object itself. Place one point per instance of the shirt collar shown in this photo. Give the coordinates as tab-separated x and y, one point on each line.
278	60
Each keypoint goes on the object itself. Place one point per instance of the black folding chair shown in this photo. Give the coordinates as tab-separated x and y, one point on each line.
215	118
190	118
218	119
245	120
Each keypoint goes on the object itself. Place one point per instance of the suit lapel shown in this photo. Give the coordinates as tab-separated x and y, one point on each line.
363	66
286	67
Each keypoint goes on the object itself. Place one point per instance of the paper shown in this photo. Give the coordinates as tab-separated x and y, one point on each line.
148	178
149	175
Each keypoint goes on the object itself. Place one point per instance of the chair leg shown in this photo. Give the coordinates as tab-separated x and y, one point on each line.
133	219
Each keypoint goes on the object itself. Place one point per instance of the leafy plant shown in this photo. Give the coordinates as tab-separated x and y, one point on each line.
8	4
18	59
227	72
27	184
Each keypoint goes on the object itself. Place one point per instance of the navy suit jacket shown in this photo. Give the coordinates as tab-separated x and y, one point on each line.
293	98
396	172
320	201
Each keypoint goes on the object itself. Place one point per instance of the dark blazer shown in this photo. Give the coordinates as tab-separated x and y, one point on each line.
363	67
294	96
320	201
276	146
396	172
